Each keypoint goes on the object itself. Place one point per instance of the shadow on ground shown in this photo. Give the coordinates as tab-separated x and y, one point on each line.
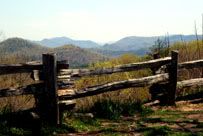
184	119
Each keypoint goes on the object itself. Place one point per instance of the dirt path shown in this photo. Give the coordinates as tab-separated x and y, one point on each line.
184	119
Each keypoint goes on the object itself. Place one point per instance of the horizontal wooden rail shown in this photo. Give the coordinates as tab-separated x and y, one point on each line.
187	65
191	64
68	94
30	89
72	74
18	68
120	68
190	83
141	82
27	67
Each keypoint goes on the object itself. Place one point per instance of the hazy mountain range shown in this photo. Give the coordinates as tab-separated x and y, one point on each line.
82	52
60	41
138	45
137	42
131	44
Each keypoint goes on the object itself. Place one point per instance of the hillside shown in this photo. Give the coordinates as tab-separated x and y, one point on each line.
77	56
19	47
60	41
117	53
130	43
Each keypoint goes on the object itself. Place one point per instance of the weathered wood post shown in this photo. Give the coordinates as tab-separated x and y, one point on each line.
173	70
155	56
50	98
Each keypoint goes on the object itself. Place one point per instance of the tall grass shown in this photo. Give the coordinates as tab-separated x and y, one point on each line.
189	51
15	103
124	96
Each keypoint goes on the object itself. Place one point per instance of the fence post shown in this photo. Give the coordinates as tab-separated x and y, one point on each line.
173	70
155	56
49	96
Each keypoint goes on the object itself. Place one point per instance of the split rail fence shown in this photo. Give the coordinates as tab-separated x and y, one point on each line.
55	87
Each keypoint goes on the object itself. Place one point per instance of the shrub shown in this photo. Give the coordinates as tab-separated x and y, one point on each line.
107	109
114	109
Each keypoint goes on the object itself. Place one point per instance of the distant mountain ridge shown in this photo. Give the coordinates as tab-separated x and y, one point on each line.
32	51
137	42
133	44
128	43
138	45
60	41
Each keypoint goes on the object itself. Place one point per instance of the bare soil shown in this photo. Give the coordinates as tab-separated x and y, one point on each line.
184	118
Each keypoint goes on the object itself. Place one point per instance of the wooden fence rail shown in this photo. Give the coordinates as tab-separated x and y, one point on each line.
57	80
27	67
30	89
113	86
120	68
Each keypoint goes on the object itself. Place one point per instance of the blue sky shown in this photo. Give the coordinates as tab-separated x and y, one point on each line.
98	20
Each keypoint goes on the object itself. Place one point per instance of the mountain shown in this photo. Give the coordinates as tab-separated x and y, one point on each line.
186	38
130	43
138	45
60	41
135	42
21	47
31	51
117	53
77	56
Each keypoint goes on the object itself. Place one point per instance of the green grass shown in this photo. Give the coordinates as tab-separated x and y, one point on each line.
50	130
113	110
81	124
13	131
146	122
158	131
186	134
169	117
167	131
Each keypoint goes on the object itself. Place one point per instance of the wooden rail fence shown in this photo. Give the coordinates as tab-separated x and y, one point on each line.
54	88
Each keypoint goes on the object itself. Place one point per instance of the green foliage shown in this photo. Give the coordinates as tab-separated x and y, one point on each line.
107	109
114	109
6	109
158	131
111	132
84	124
13	131
186	134
50	130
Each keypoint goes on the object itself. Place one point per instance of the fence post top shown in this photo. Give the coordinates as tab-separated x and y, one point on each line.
174	51
51	54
